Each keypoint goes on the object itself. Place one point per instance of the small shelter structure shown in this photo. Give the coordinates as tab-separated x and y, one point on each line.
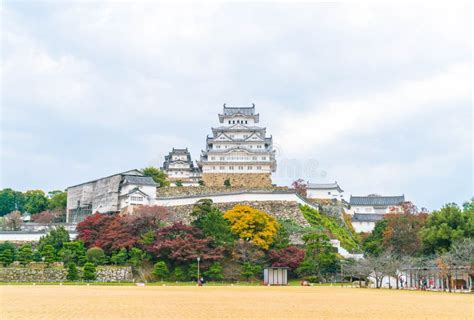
277	276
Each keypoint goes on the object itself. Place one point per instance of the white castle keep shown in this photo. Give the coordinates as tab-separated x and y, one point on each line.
238	151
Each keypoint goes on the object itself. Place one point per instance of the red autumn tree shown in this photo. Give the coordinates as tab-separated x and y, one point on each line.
91	229
301	187
401	234
290	257
182	244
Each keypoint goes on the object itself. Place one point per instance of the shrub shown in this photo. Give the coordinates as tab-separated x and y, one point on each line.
120	257
72	273
90	272
227	183
96	255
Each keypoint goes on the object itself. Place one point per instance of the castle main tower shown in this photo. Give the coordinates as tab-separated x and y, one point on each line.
238	150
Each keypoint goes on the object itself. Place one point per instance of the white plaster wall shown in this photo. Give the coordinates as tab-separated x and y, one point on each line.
363	226
323	194
25	236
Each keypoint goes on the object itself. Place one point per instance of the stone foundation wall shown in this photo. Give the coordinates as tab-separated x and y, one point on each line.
279	209
206	190
58	274
249	180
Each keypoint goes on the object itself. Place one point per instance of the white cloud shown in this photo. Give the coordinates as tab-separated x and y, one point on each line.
337	120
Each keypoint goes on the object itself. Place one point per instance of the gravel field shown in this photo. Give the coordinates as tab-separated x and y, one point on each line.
155	302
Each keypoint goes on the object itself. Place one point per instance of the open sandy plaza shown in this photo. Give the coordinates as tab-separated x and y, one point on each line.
228	302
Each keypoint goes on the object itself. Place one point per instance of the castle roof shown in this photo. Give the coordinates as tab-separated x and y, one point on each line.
376	200
139	180
324	186
363	217
230	111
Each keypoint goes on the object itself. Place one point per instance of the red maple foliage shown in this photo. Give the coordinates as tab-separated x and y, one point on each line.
183	244
91	229
290	257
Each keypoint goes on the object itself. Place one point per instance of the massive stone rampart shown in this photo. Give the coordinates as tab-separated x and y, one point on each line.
58	274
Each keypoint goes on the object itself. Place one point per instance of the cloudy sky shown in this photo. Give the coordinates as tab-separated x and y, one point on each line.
375	97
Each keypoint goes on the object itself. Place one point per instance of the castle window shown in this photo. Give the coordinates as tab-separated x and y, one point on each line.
254	158
222	158
241	167
222	168
233	121
259	167
249	167
231	167
218	147
212	158
229	121
264	158
245	121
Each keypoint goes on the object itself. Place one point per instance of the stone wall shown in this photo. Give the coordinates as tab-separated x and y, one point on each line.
166	192
279	209
58	274
249	180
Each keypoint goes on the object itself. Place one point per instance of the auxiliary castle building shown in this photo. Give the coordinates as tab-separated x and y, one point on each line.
238	151
180	168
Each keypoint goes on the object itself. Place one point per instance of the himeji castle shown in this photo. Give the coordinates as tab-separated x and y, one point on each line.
238	150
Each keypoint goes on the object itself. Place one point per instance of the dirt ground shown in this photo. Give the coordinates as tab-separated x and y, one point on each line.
156	302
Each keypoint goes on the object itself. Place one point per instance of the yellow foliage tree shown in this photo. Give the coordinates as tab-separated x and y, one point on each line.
252	225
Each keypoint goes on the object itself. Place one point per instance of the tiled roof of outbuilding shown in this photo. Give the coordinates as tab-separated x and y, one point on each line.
140	180
375	200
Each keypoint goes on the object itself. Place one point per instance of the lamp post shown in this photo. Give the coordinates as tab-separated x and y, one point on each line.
198	278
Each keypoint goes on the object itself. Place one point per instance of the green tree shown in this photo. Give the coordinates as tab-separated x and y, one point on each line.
160	270
320	258
136	257
448	225
282	237
96	255
7	253
179	183
72	273
158	176
25	254
48	254
179	273
212	223
57	200
214	272
120	257
11	200
36	201
250	270
56	238
373	243
90	272
73	252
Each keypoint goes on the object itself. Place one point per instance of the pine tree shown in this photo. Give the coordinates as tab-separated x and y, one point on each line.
25	254
48	254
160	270
72	273
89	271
